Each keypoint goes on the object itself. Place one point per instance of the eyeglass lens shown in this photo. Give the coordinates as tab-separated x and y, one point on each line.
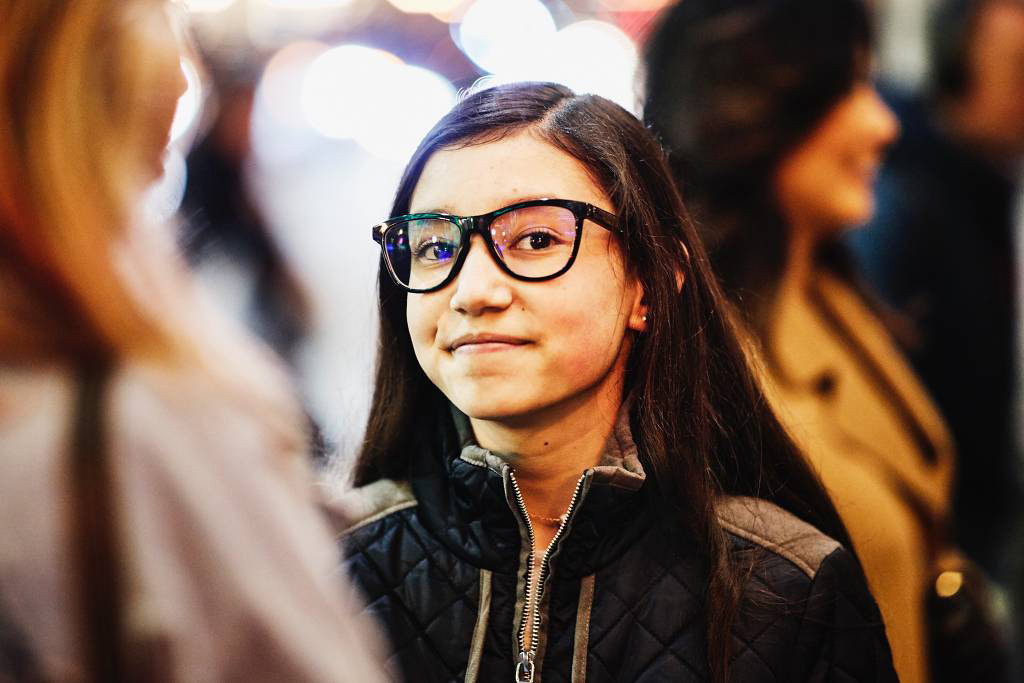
534	242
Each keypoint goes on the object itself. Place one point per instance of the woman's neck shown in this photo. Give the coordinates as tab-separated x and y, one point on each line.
550	451
803	242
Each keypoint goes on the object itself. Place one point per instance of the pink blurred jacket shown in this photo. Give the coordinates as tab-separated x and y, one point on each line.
231	573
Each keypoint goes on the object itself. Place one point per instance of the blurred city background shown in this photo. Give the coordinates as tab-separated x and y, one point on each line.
301	113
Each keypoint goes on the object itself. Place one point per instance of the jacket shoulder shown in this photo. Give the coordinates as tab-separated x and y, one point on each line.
776	530
826	613
356	508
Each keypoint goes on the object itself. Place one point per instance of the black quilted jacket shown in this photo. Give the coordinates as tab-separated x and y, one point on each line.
443	560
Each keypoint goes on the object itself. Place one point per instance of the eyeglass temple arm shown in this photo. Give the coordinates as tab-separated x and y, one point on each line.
603	218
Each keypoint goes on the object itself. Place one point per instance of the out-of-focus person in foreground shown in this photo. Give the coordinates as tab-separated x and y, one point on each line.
941	251
775	134
570	472
157	519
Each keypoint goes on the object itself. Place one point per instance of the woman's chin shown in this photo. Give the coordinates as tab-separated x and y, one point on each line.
851	212
858	216
512	410
491	410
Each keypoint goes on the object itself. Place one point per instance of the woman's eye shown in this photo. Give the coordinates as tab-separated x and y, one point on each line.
536	241
435	251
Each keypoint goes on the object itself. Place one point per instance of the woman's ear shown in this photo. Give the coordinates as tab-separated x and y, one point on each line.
638	312
681	274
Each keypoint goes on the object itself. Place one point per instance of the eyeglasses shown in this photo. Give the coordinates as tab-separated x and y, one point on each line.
532	241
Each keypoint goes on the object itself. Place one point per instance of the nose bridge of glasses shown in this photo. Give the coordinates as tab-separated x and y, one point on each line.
483	226
480	280
490	251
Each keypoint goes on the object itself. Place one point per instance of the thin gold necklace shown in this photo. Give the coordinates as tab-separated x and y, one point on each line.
551	521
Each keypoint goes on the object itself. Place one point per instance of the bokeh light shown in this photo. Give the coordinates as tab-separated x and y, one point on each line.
269	24
280	88
281	137
440	7
371	96
506	36
339	87
588	56
633	5
307	4
596	57
202	6
416	99
190	104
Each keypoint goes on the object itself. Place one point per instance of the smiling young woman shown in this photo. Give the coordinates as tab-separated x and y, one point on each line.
569	472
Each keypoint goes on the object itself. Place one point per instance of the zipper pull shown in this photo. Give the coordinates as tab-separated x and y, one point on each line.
524	668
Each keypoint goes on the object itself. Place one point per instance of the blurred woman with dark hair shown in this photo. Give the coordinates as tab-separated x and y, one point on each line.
569	471
774	133
158	522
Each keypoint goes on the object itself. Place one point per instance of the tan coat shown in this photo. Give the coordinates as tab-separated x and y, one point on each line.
869	429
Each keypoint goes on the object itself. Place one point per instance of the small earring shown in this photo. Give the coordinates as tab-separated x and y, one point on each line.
644	318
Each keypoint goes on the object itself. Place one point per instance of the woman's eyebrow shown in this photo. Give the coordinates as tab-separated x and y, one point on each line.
507	201
441	209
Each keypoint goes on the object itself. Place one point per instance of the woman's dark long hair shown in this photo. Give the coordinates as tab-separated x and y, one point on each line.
701	424
732	86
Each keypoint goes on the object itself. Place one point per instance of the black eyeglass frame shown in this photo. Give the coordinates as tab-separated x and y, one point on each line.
468	225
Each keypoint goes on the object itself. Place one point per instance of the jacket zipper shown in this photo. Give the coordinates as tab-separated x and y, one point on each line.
531	605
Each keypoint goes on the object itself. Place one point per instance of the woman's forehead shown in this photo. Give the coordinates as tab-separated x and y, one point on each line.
481	178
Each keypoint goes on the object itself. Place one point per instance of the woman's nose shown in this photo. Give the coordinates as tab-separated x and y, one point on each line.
882	120
481	285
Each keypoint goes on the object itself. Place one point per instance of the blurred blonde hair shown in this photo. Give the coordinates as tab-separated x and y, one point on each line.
79	276
69	178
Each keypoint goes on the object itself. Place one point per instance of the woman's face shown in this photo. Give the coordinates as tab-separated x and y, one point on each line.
503	349
826	183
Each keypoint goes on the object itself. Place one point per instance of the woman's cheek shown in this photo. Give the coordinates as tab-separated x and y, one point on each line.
591	347
422	322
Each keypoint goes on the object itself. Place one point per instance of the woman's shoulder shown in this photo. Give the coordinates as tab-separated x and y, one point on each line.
153	391
147	407
178	409
361	507
775	530
34	403
193	473
811	590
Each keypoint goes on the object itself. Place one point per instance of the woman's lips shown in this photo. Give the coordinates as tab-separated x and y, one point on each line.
866	170
485	347
485	343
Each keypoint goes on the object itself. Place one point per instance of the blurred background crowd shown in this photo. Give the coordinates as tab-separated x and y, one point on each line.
300	114
297	123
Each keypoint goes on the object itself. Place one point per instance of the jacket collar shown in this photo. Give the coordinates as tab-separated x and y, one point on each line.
619	465
466	499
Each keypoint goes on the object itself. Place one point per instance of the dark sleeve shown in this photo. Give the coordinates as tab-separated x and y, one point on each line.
841	635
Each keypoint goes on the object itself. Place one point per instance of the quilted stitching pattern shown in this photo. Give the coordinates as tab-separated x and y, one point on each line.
646	629
425	598
646	623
